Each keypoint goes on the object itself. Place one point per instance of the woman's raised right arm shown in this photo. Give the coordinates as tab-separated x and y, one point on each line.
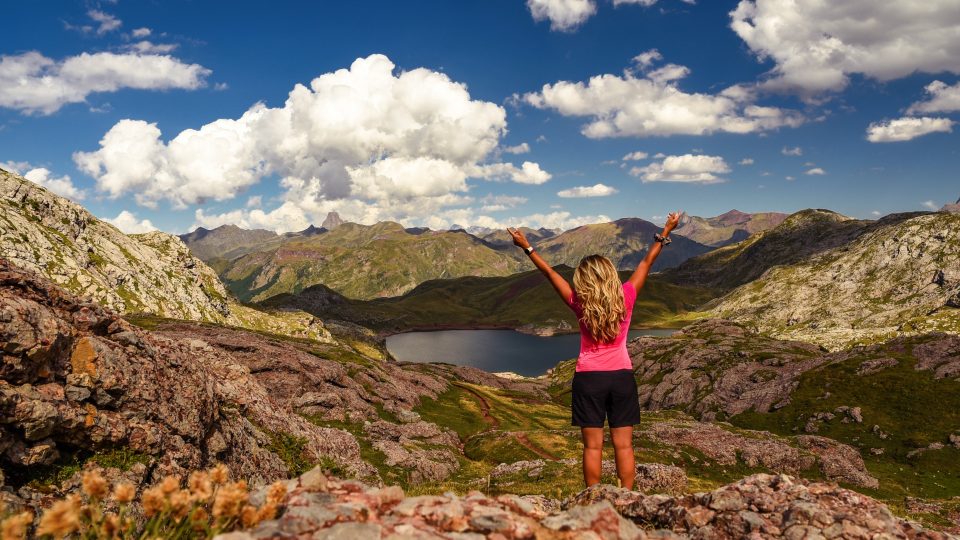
639	276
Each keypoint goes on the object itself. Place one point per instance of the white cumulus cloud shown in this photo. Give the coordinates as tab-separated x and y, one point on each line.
141	32
34	84
746	161
596	190
564	15
942	98
128	223
367	142
684	168
653	104
522	148
907	128
816	45
816	171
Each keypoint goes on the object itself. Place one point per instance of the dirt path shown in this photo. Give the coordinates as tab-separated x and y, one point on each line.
484	408
494	424
525	441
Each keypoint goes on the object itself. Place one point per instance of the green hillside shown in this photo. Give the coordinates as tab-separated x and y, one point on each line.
512	301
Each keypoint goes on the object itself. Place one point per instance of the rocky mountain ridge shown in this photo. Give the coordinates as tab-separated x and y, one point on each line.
727	228
897	276
152	272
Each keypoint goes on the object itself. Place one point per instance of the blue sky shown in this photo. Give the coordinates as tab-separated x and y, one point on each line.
432	95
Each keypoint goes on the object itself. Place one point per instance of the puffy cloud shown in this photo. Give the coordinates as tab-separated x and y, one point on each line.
527	173
106	22
564	15
686	168
646	59
943	98
816	171
129	224
521	148
653	104
816	45
907	128
148	47
61	185
635	156
794	151
364	141
746	161
35	84
596	190
141	32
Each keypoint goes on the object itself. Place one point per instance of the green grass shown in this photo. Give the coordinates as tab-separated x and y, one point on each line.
912	407
46	478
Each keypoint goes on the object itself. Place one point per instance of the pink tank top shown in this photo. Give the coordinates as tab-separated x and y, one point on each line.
605	356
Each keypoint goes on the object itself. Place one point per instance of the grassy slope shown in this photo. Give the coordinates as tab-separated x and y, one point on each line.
363	262
909	405
516	300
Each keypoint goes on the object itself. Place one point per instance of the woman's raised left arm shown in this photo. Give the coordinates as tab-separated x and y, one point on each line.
559	284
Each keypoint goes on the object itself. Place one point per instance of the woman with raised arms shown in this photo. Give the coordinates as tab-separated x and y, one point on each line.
604	388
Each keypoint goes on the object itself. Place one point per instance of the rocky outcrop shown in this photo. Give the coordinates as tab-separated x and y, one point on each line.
952	208
152	272
899	278
715	366
332	221
76	379
759	506
793	455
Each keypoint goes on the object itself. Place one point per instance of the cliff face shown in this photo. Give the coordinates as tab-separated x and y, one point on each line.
899	276
152	272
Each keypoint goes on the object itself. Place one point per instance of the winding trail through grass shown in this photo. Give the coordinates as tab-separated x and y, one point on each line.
494	424
484	408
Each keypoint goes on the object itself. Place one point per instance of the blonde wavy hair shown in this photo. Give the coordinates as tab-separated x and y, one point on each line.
600	294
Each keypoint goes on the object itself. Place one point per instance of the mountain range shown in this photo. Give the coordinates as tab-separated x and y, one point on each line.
258	264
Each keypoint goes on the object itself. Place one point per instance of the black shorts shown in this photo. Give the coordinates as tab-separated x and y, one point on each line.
610	395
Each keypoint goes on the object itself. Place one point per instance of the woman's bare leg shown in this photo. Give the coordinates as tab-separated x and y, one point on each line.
592	454
623	453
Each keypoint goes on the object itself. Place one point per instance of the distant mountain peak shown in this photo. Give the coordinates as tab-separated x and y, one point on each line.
332	221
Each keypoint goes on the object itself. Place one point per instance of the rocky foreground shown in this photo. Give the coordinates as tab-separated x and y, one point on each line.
759	506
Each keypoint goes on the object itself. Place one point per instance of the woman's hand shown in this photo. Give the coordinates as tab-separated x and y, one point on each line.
673	219
519	239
